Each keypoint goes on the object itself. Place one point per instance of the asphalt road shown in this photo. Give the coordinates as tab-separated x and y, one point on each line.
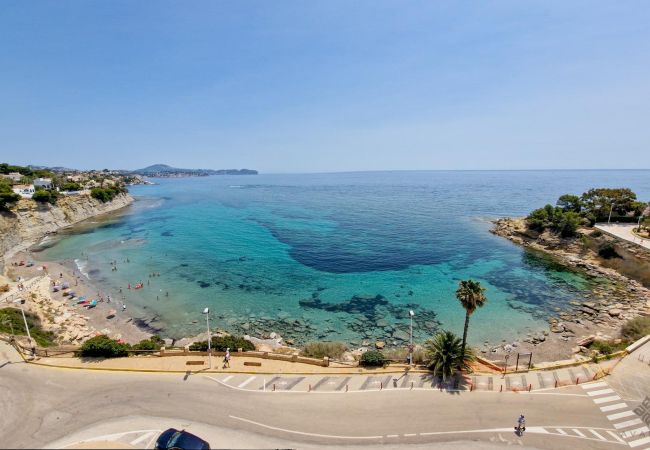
42	407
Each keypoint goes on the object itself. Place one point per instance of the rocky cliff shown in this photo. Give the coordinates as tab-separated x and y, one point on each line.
28	221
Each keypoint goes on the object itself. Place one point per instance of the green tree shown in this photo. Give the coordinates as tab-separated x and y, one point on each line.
567	223
570	202
471	295
7	196
598	202
45	196
446	353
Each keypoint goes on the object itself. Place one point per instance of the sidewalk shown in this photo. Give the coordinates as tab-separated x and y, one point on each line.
299	377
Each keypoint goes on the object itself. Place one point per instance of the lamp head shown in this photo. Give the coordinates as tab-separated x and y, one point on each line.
411	313
206	311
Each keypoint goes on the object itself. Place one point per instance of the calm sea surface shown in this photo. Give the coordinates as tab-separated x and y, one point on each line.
334	256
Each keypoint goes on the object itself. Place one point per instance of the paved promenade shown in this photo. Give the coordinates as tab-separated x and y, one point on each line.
623	231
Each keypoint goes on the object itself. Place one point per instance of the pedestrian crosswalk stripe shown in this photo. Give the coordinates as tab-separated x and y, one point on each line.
627	424
635	433
561	431
578	432
620	415
613	407
594	385
142	438
638	442
611	398
600	392
245	382
615	436
228	378
597	435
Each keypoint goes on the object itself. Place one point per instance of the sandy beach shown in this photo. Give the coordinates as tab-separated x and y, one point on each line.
71	322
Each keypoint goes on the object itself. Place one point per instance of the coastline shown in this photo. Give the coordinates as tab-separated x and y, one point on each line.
71	323
608	307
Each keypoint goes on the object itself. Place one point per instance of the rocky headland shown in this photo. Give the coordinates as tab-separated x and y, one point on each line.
26	223
605	310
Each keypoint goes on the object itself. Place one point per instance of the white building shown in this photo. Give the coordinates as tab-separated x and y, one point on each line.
24	190
13	176
45	183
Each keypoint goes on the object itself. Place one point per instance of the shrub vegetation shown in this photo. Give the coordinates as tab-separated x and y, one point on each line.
7	196
103	346
221	343
333	350
107	194
45	196
373	358
608	251
11	321
635	329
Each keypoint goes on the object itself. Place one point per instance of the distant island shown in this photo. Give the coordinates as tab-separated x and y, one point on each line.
163	170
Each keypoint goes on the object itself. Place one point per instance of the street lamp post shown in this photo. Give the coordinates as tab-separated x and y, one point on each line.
411	314
206	311
20	302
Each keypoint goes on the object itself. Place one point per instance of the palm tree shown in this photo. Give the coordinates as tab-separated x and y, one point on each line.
445	355
471	295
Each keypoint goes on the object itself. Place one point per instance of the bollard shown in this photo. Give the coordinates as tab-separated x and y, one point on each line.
381	385
471	387
530	387
411	385
501	390
555	383
577	380
273	387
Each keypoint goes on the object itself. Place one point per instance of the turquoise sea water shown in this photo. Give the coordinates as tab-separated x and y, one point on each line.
334	256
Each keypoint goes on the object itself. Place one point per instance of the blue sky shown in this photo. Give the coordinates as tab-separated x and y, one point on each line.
295	86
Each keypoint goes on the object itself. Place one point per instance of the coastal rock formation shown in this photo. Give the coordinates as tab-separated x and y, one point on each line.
609	306
29	221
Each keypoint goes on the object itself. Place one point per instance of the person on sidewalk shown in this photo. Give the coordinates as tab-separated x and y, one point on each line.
226	359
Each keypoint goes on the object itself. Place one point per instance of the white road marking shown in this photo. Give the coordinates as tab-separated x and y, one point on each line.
392	435
635	433
561	431
410	434
611	398
245	382
615	436
578	432
142	438
303	433
228	378
638	442
600	392
613	407
597	435
593	385
627	424
620	415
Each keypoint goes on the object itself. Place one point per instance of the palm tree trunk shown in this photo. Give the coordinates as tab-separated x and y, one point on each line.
465	333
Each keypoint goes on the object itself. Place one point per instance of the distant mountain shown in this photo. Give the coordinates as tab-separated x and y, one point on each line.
163	170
